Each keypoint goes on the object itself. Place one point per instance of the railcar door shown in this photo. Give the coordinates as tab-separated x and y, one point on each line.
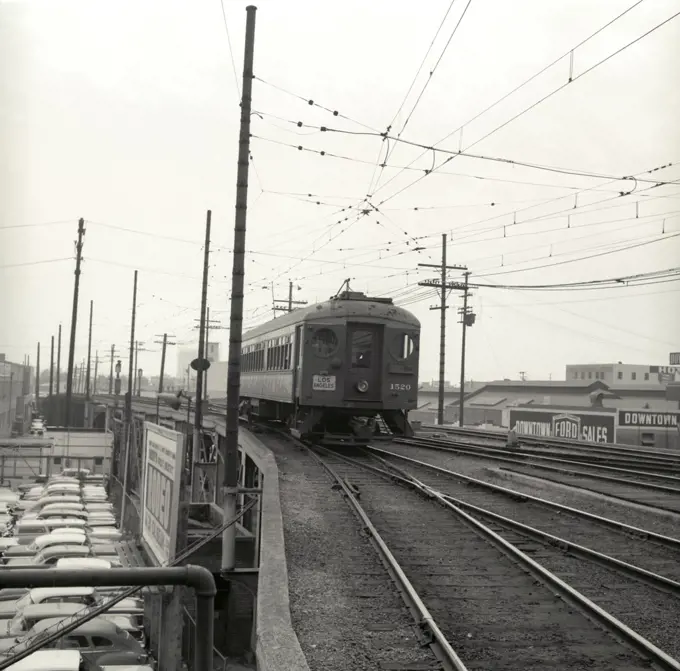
364	349
297	361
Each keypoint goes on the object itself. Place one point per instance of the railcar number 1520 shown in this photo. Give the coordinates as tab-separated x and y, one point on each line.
399	386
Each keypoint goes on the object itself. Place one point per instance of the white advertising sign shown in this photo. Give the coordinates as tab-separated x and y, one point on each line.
161	489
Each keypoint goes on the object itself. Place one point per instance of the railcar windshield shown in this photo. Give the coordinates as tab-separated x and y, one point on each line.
362	348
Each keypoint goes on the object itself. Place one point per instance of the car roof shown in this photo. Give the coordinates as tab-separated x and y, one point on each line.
47	592
50	660
83	562
64	549
61	607
96	625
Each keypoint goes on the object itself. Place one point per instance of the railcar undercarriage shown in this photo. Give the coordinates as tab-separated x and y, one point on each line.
333	427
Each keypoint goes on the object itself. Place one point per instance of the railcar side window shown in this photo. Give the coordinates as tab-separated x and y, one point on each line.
362	349
324	342
404	345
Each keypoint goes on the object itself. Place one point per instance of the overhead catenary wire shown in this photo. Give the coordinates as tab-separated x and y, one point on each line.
571	80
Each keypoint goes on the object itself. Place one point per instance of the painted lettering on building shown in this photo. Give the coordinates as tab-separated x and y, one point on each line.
636	418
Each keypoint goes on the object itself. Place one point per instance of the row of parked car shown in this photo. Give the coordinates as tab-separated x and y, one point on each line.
66	522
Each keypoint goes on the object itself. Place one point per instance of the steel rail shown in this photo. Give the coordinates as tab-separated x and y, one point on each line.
437	641
571	596
638	573
501	455
666	541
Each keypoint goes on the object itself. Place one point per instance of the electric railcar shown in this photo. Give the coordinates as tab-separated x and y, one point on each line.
344	371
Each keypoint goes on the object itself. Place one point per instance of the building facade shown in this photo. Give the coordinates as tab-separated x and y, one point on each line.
623	374
15	397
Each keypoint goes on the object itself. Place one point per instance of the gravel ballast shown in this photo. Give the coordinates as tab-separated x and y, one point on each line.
346	612
486	469
493	613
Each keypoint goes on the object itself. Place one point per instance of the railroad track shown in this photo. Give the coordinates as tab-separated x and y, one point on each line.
483	601
556	523
560	445
638	468
656	491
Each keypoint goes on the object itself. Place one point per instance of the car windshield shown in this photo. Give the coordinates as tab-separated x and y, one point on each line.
16	624
25	600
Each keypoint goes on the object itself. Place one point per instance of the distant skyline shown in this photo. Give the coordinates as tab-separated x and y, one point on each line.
128	117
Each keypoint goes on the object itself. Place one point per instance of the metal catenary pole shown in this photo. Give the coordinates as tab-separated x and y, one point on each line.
198	407
236	317
58	376
89	354
96	372
128	404
113	356
51	366
74	321
37	380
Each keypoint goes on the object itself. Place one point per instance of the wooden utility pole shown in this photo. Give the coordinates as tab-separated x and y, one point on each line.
128	404
37	381
290	301
89	354
165	343
74	321
58	363
444	287
113	356
201	364
231	458
51	367
467	318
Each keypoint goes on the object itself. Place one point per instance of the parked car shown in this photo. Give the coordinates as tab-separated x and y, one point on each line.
25	620
44	541
56	660
87	596
96	640
49	556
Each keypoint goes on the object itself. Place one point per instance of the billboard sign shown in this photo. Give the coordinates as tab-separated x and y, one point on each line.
161	490
674	359
648	418
578	425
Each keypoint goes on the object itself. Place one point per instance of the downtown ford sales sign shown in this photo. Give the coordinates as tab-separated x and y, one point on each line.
161	490
578	425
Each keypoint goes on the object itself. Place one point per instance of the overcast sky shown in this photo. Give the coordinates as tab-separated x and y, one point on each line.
126	113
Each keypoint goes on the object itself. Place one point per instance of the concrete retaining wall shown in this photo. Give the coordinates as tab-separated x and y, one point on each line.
276	645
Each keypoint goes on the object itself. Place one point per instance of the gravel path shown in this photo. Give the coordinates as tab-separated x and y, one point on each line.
483	469
494	614
346	611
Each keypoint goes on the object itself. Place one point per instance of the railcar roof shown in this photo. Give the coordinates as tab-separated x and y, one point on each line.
354	308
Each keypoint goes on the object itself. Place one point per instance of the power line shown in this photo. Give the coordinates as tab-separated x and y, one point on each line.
35	263
231	52
541	100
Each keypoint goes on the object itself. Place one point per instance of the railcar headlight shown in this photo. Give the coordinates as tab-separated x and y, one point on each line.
362	386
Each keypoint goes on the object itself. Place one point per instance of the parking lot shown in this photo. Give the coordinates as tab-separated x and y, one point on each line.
66	521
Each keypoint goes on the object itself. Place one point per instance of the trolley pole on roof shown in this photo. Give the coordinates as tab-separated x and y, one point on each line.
444	287
231	461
